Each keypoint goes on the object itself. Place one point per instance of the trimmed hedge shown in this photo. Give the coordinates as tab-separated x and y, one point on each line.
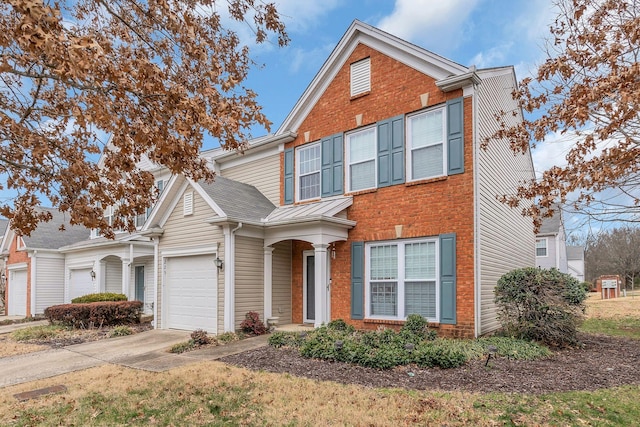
96	314
104	296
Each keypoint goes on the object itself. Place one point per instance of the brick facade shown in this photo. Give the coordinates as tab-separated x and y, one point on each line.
423	209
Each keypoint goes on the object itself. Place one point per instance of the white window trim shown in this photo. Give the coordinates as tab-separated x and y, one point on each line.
297	185
546	247
401	278
408	141
347	158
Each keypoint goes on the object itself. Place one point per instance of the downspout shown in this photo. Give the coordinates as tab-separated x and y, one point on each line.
34	277
129	273
476	219
230	279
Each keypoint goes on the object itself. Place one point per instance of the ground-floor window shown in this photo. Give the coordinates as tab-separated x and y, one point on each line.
402	279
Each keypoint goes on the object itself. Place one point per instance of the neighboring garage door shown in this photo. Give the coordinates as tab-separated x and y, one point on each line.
80	283
191	293
17	290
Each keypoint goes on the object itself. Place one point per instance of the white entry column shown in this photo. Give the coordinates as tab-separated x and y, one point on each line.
268	282
321	282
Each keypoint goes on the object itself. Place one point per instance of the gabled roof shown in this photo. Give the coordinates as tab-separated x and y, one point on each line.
441	69
49	236
237	200
575	253
4	224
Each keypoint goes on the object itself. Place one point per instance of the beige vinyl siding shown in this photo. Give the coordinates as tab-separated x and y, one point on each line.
184	232
49	283
281	291
113	274
264	174
249	277
507	240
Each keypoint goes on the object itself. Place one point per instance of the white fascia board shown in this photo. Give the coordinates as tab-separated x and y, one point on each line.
411	55
7	239
167	202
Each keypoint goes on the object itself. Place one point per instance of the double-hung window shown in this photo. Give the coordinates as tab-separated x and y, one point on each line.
308	170
426	134
361	157
402	279
541	247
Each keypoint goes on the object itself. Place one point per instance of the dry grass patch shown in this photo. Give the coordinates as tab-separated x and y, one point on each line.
598	308
11	347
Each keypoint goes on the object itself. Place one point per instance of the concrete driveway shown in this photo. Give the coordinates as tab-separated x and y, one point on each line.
48	363
146	350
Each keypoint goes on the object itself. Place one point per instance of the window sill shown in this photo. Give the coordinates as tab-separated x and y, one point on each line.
360	95
359	192
426	181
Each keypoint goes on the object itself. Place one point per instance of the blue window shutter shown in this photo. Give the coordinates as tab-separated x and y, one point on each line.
332	172
455	136
391	151
448	278
357	280
288	176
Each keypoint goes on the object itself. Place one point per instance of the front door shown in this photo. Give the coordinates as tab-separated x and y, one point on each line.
309	287
139	274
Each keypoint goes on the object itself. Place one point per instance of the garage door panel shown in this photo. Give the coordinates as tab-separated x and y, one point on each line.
80	283
17	290
192	293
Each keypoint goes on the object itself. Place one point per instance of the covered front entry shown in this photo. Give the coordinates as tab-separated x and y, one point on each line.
191	292
17	293
309	288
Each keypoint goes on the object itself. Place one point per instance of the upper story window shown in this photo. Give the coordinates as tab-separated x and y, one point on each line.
402	279
426	144
361	159
308	170
361	77
541	247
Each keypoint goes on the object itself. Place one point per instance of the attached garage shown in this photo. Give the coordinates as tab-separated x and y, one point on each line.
17	293
191	292
80	283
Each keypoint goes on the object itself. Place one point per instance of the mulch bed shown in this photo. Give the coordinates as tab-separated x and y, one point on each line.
602	362
79	336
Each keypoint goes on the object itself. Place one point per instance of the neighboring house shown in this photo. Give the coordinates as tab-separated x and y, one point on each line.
575	262
373	200
551	247
34	267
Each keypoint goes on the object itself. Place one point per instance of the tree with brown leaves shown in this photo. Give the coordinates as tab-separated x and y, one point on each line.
588	88
154	76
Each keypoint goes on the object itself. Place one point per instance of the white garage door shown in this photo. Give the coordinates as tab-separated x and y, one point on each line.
190	285
80	283
17	290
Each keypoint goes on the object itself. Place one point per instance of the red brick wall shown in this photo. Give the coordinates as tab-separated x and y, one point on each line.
17	257
428	208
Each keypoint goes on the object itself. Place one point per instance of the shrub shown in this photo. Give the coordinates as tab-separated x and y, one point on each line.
182	347
418	326
36	333
200	337
541	305
340	325
97	314
285	339
120	331
101	297
228	337
252	324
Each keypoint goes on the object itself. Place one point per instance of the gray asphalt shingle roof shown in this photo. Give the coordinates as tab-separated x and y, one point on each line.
49	236
238	200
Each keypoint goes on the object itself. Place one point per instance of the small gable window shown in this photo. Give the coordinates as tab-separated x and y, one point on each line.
308	169
361	77
188	203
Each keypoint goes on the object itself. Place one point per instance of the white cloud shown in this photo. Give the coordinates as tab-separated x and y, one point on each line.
492	57
308	59
301	16
429	23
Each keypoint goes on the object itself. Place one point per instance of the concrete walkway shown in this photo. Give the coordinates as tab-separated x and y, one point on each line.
146	350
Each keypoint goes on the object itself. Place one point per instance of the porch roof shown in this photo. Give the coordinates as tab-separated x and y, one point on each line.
297	213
